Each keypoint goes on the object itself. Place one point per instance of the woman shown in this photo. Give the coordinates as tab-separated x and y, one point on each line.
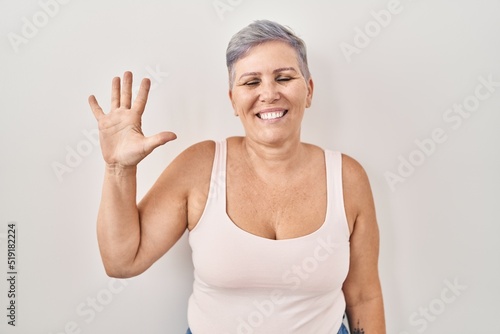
283	233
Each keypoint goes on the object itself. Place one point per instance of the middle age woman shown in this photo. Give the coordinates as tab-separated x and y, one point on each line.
283	233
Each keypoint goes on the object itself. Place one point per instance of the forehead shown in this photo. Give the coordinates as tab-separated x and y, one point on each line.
267	57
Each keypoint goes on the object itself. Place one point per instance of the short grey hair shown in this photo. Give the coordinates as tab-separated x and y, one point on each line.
259	32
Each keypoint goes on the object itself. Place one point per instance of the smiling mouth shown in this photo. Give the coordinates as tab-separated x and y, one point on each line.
272	115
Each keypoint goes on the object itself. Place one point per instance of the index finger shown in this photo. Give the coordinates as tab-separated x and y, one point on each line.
115	93
142	96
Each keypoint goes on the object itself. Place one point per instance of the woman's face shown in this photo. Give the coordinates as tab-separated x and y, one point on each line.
270	94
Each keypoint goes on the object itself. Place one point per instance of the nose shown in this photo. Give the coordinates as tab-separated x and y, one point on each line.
269	91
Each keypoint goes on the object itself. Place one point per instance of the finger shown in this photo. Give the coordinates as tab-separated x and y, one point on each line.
126	94
142	96
115	93
157	140
96	109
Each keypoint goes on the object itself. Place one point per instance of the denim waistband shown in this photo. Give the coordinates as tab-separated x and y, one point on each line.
342	330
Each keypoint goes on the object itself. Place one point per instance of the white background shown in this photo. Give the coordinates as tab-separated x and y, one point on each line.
439	222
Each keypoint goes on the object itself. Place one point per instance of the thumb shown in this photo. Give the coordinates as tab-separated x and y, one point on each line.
158	139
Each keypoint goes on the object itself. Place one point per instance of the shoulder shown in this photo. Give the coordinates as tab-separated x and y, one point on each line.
352	171
199	150
191	167
356	186
314	153
196	156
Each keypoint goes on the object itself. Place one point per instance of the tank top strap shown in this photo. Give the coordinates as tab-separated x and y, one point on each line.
333	161
217	192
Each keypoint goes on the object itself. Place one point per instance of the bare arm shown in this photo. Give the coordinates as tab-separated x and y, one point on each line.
365	309
124	241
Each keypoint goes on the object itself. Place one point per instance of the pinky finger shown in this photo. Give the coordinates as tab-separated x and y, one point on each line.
96	109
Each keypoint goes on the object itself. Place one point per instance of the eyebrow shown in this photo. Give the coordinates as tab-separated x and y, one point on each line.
281	69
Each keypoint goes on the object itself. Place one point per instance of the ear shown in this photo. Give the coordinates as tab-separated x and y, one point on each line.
230	93
310	89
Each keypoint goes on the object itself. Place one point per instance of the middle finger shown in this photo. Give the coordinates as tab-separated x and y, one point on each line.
126	94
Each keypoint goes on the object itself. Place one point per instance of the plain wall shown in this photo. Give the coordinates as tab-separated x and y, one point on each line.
416	101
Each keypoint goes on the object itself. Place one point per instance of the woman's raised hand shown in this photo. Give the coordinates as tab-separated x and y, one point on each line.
122	142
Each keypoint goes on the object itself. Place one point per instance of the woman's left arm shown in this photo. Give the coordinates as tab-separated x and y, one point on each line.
362	290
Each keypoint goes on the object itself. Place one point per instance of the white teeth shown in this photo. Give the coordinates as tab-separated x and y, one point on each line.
272	115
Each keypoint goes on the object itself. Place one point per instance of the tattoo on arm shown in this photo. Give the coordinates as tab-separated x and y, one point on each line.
358	330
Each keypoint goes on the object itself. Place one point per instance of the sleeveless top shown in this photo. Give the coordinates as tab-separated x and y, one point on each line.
244	283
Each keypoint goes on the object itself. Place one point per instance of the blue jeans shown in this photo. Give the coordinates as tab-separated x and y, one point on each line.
342	330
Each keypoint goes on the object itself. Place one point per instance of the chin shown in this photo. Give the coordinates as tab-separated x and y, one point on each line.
275	138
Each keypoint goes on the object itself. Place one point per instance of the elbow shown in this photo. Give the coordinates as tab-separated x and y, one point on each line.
361	293
120	272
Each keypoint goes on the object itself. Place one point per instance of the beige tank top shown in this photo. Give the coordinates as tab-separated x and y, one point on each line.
244	283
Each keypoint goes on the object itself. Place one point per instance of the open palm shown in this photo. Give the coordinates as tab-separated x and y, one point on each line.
120	133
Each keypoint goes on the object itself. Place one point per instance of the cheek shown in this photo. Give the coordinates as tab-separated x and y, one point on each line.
300	98
242	101
298	92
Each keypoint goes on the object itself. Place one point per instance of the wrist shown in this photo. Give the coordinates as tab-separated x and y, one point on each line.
117	169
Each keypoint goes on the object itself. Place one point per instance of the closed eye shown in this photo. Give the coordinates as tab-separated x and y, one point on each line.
252	82
283	79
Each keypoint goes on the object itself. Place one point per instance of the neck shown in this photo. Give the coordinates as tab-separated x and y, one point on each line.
273	159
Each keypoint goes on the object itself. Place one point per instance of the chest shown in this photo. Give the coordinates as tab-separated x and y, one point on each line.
293	207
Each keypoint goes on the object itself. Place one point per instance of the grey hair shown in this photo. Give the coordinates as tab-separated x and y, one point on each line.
259	32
